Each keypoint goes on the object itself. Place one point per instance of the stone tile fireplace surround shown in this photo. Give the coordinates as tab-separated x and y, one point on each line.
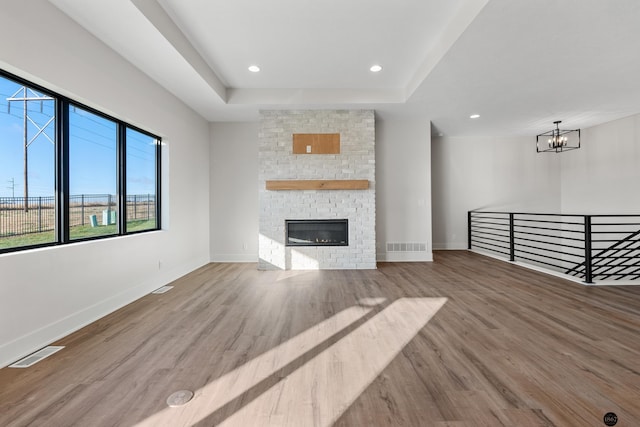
356	161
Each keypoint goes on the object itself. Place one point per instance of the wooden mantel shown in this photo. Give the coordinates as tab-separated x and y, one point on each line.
318	184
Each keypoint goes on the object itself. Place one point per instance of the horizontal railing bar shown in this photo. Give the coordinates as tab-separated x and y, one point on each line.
482	218
493	240
547	235
496	224
616	257
499	226
493	250
608	224
533	213
616	239
488	212
490	244
547	228
543	255
504	224
610	240
541	262
558	214
615	231
547	221
489	230
480	230
489	217
481	237
615	216
549	250
550	243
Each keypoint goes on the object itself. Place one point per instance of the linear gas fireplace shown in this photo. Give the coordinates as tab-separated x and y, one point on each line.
317	232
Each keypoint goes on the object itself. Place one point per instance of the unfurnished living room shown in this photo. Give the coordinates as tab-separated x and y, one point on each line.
318	213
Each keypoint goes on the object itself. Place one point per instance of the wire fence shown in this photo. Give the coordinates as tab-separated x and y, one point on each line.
20	216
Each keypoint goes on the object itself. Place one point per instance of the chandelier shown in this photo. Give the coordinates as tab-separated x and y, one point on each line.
558	140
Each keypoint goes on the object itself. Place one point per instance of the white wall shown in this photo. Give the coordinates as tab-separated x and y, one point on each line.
234	192
491	174
403	189
403	196
603	176
507	174
47	293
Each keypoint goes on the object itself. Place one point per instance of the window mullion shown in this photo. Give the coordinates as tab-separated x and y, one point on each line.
122	178
62	172
158	183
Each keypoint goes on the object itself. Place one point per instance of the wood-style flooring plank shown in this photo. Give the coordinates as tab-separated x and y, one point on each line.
504	346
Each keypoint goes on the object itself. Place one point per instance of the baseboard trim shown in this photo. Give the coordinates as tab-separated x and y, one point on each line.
404	257
449	247
234	258
27	344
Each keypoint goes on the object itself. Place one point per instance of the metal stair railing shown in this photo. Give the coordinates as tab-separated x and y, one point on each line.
588	247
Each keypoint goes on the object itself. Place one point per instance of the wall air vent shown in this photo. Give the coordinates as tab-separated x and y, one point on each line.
162	290
406	247
34	358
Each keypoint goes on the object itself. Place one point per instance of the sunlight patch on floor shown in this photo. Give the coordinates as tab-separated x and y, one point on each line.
318	392
231	385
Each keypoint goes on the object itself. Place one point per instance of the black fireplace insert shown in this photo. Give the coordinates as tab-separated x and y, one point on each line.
317	232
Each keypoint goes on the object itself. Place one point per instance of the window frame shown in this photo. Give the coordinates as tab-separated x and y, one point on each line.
61	170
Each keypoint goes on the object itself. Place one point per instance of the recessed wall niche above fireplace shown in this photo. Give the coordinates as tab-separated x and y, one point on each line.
317	232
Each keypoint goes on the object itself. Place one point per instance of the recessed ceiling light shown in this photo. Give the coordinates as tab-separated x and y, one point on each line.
474	116
375	68
254	68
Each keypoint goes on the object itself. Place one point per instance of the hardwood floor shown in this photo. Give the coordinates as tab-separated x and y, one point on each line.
464	341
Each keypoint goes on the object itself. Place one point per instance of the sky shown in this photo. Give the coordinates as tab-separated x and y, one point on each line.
92	150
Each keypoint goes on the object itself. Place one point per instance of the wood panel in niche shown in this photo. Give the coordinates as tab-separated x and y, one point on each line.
316	143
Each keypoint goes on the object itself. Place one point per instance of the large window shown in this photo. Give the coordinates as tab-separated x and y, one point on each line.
93	200
141	180
70	173
27	165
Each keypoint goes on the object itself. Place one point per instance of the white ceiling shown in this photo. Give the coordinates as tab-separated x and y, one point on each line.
520	64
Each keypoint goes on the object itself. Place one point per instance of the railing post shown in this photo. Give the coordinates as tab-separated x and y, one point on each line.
148	206
469	230
82	208
512	240
588	273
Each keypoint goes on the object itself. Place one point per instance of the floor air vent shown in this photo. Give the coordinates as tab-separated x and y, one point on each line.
34	358
162	290
406	247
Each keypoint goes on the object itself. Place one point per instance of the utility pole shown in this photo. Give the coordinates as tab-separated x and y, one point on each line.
29	95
